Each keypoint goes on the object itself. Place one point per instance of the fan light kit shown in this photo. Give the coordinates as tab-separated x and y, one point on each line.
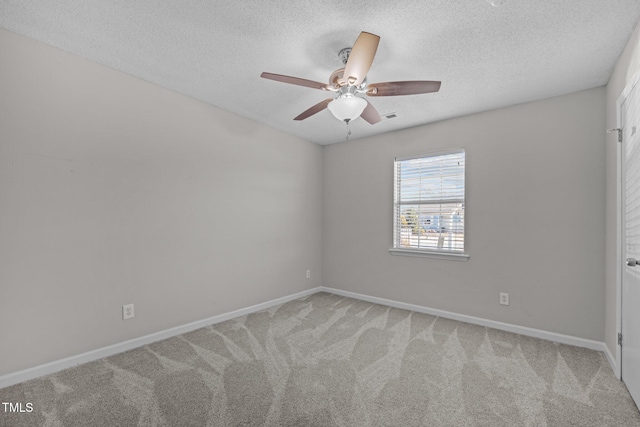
351	81
347	107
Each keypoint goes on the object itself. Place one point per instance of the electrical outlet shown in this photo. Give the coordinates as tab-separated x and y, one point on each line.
504	298
127	311
308	274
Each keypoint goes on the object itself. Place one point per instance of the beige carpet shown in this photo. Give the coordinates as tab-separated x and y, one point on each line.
326	360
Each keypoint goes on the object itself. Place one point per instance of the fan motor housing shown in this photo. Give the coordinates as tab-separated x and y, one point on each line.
336	77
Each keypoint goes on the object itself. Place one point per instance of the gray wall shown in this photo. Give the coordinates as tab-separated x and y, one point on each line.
116	191
535	215
627	66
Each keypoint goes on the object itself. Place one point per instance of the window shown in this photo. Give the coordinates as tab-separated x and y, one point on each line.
429	205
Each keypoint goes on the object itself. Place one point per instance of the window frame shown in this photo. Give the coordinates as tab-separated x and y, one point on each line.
428	253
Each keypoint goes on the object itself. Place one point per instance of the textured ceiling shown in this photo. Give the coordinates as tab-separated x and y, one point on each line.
214	50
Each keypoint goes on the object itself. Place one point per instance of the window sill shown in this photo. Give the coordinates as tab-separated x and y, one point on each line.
426	254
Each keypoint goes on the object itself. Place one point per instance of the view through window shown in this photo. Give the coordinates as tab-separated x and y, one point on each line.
429	202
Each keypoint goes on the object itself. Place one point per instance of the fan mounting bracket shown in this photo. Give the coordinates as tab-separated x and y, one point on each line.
344	55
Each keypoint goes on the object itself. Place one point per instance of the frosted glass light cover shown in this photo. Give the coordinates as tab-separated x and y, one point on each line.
347	107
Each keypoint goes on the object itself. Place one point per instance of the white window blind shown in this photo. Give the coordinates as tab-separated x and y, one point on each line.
429	203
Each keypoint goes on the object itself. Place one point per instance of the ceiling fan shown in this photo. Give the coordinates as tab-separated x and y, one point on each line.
350	81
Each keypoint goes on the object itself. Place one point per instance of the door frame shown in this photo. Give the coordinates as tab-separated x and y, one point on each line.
619	220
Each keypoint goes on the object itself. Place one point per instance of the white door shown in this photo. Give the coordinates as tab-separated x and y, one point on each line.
630	121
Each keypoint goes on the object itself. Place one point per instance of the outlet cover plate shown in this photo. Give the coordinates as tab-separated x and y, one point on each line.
127	311
504	298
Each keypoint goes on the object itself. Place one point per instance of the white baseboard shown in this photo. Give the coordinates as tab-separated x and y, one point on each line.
522	330
58	365
612	361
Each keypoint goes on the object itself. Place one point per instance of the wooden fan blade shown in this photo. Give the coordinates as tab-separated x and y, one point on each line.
294	80
370	114
315	109
360	58
402	88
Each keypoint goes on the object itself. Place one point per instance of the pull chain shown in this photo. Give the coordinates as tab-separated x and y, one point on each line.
348	122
